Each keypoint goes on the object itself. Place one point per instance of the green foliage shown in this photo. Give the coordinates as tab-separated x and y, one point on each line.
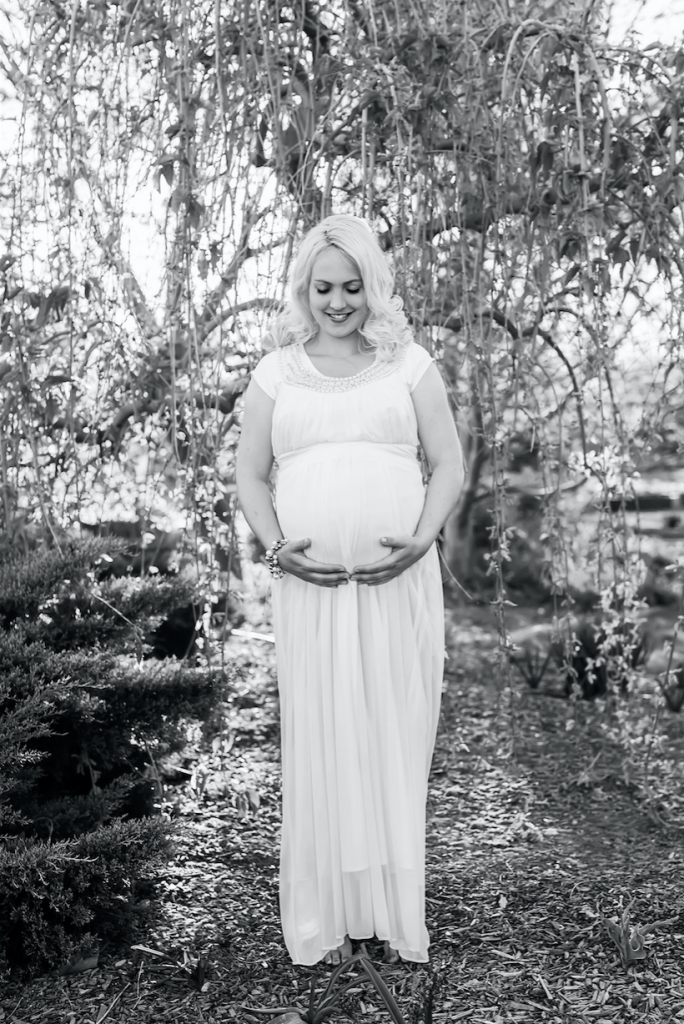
602	657
108	715
672	687
24	719
28	584
59	597
83	718
57	896
523	170
594	657
629	939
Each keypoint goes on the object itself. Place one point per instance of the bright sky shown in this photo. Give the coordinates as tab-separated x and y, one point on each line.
652	19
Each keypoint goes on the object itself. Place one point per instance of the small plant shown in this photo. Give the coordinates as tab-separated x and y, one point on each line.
532	663
671	681
596	659
601	657
673	689
630	940
328	1003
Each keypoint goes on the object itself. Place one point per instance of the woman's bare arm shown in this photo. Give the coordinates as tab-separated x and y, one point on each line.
254	465
439	440
253	471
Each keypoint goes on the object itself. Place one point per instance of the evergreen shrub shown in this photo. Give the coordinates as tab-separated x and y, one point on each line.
85	718
59	897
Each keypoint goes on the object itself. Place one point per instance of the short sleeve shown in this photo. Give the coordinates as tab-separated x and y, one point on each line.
416	362
267	374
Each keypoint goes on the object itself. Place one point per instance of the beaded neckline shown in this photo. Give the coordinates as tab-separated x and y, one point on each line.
297	369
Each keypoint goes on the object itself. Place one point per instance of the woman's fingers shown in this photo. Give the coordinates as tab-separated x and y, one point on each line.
292	556
373	578
329	576
294	560
374	568
323	579
324	566
308	568
326	576
377	570
402	556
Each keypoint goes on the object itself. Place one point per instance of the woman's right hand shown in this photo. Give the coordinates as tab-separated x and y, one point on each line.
293	560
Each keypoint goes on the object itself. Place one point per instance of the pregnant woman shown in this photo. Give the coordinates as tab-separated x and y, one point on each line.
340	407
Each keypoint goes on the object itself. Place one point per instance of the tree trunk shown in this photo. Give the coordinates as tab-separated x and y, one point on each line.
459	546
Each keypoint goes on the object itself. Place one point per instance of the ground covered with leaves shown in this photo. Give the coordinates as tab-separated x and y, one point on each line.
555	860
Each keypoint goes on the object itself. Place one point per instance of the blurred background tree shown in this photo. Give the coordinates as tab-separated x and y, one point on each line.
523	171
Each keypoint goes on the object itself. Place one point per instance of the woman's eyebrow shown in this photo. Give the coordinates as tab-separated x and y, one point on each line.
353	280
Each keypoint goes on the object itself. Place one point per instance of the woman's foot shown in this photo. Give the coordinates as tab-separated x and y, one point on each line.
391	956
339	955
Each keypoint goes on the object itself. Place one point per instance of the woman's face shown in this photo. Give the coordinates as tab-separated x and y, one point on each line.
336	295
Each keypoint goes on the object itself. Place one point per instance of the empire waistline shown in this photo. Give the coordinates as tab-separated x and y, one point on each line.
324	449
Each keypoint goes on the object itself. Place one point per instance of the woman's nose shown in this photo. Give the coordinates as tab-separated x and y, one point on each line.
337	300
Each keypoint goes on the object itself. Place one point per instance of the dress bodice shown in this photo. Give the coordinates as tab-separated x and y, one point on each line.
311	408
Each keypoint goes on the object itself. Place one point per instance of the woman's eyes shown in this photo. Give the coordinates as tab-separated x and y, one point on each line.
352	291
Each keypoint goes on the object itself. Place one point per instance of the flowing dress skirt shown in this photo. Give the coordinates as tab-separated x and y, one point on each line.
360	671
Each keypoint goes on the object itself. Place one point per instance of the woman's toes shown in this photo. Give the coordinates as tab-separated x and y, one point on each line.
391	956
343	952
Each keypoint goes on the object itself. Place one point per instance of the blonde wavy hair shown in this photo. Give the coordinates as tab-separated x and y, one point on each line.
385	328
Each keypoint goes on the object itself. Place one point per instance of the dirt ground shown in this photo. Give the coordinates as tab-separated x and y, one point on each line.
543	825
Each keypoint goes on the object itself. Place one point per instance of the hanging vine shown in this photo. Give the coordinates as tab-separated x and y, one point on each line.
524	174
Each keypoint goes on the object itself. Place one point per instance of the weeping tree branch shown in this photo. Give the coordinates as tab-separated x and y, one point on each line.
456	324
109	244
212	316
241	307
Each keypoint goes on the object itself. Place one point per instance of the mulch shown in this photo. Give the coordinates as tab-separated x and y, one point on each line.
544	822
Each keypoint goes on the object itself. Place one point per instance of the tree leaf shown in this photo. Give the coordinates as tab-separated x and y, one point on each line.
83	963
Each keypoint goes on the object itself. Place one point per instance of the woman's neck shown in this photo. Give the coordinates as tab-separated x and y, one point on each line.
344	348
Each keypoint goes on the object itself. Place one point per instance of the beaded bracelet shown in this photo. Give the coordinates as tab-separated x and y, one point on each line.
272	558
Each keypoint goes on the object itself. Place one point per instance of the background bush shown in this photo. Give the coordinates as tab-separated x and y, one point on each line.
85	715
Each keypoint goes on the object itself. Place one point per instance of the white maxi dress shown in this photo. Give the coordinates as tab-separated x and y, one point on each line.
359	668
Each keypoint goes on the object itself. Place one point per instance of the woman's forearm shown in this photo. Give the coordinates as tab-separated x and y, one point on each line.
255	500
441	497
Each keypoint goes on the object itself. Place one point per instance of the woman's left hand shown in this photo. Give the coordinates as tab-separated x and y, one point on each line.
405	551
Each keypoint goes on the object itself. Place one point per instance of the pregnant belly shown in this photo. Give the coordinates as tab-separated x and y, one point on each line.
345	497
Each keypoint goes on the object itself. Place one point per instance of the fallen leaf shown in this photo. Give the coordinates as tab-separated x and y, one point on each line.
146	949
86	963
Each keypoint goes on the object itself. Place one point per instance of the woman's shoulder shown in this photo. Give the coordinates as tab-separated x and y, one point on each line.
416	352
415	362
268	372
